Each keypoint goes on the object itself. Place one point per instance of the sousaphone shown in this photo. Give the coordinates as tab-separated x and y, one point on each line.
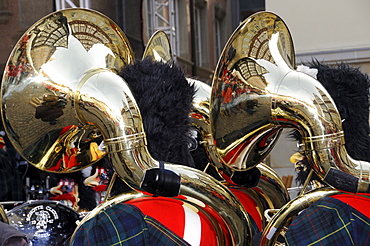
54	57
40	104
158	48
199	185
68	91
257	92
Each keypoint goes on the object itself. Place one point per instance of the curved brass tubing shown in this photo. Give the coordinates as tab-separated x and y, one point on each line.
270	187
256	92
284	216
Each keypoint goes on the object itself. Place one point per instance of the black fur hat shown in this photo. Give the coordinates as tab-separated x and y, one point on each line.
349	88
164	97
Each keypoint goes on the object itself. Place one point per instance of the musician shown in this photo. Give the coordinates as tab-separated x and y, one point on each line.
344	218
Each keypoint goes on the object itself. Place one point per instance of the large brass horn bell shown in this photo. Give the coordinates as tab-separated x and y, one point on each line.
242	127
39	101
257	92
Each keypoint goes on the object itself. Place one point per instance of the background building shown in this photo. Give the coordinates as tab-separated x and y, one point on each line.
332	31
198	29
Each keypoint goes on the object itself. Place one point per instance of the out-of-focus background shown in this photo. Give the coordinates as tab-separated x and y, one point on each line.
332	31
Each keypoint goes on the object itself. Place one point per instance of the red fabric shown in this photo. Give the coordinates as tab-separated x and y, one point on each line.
64	197
359	201
170	212
216	217
100	188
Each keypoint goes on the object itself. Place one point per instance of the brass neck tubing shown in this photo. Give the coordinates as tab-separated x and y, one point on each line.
303	103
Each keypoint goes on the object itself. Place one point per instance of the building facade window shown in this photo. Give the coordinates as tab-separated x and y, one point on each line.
161	15
4	12
63	4
219	29
218	44
200	33
247	8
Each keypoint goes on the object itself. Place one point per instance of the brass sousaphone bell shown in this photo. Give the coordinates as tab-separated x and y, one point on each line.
257	92
158	48
242	123
40	104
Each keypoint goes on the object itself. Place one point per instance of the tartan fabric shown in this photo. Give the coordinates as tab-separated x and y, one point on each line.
124	225
329	221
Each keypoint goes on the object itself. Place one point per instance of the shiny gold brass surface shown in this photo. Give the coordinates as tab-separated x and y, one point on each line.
3	216
241	123
256	92
285	215
40	87
65	97
83	101
271	188
200	119
159	48
270	192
